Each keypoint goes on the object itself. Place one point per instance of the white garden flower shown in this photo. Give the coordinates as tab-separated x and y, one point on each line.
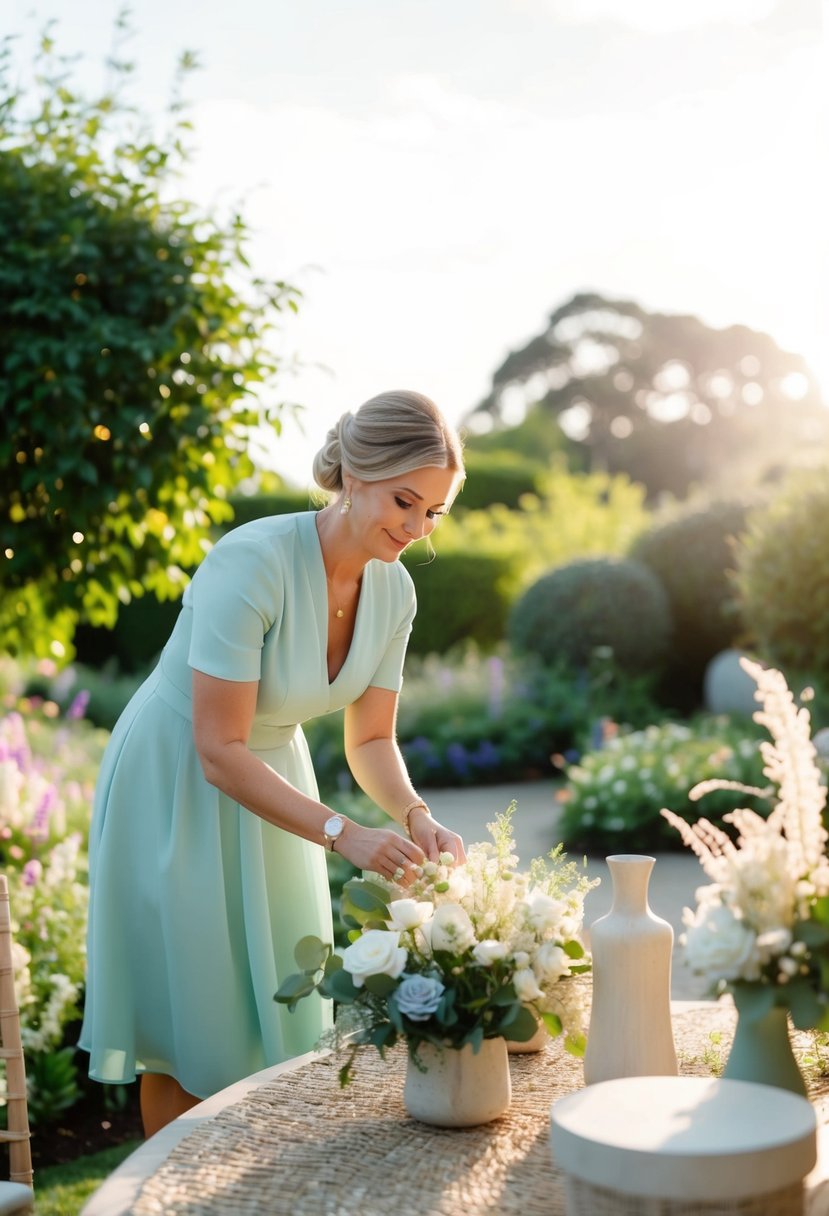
526	985
488	952
452	930
719	944
550	963
375	952
543	912
773	944
408	913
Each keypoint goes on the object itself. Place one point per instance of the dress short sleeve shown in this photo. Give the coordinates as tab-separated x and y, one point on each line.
236	596
389	673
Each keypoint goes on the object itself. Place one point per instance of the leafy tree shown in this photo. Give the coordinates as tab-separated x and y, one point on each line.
664	398
134	348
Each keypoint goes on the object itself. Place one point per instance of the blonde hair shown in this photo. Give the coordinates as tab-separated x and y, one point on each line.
390	434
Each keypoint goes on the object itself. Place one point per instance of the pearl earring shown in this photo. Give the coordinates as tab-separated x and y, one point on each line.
346	507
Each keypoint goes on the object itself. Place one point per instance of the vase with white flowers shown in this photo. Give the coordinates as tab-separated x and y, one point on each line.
462	959
761	928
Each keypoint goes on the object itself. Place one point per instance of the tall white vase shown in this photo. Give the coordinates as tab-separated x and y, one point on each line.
630	1031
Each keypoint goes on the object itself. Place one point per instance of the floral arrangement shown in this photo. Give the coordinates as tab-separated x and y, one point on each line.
466	953
762	925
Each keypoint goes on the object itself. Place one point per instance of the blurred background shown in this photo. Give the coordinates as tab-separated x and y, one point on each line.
591	230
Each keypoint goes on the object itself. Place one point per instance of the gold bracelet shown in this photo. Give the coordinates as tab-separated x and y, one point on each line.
407	810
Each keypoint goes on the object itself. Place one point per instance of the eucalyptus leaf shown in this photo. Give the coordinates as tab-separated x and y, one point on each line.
367	901
553	1023
814	933
311	953
523	1026
339	986
380	985
293	989
334	962
575	1045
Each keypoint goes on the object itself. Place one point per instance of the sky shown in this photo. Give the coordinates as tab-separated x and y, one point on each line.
438	175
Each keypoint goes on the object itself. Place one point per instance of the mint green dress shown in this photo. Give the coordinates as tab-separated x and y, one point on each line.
196	903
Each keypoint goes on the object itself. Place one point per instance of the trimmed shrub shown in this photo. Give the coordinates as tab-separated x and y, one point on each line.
460	595
498	477
247	507
601	603
783	577
693	555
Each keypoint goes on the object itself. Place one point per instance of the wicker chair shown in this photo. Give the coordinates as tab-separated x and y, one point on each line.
15	1196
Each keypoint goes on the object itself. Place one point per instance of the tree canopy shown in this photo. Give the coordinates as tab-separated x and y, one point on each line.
665	398
134	342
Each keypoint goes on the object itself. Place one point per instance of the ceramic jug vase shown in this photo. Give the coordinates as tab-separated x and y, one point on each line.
630	1031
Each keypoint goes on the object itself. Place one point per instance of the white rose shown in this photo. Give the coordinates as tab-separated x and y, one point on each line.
551	963
488	952
376	952
720	945
526	985
452	929
408	913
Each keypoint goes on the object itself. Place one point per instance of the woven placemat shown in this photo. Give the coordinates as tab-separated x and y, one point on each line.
301	1146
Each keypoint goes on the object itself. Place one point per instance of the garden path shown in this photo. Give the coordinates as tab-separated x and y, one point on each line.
674	880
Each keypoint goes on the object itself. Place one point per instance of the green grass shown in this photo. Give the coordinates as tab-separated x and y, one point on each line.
62	1190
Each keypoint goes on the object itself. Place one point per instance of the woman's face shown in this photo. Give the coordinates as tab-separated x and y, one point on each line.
388	516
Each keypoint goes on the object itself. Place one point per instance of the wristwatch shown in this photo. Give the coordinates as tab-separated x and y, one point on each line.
332	830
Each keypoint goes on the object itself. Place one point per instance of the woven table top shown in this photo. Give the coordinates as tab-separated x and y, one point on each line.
300	1145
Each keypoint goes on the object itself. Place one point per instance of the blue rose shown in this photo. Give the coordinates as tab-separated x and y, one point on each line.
418	996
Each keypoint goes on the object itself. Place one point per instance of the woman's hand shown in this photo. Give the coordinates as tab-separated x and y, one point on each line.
433	837
382	850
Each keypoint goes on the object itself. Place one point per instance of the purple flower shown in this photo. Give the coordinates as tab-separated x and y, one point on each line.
79	703
40	824
486	755
458	758
32	872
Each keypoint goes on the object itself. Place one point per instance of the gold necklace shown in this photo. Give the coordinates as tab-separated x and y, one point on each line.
338	610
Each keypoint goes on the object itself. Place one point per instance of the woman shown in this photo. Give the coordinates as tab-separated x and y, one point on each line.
206	849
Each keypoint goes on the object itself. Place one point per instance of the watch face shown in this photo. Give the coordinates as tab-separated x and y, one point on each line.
333	826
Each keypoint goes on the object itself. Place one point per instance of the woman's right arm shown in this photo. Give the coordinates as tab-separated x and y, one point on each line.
223	712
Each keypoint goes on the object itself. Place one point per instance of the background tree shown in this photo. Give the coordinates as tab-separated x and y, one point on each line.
665	398
134	348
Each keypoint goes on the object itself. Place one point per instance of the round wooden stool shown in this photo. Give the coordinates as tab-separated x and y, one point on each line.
678	1146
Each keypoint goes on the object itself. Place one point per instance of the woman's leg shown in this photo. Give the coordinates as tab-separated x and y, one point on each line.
162	1101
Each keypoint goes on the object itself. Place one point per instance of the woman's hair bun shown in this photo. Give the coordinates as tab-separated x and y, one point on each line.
328	462
390	434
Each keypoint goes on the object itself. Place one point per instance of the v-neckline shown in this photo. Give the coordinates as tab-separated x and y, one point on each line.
321	604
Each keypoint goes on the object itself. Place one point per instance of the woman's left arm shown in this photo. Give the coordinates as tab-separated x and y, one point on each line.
379	769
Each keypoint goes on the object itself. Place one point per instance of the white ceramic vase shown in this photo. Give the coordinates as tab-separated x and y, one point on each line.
460	1088
630	1031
